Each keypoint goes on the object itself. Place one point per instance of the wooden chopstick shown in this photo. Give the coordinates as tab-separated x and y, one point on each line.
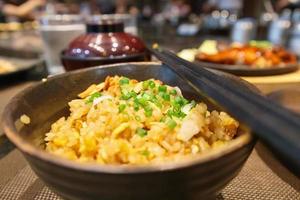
277	126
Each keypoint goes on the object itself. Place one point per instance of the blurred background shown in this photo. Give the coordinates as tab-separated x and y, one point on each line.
33	25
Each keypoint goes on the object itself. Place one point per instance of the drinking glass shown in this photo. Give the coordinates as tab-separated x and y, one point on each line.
57	31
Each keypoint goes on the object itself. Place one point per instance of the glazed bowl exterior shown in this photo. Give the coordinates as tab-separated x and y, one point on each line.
201	177
104	43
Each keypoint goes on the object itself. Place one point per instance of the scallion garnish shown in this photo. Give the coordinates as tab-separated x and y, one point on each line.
122	107
124	81
142	101
178	100
184	101
146	96
126	96
133	94
166	96
136	106
151	84
145	85
157	103
173	92
145	153
163	119
171	124
141	132
162	88
93	97
161	94
148	111
138	118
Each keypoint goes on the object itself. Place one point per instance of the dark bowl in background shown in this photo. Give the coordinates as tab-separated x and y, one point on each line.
104	43
201	177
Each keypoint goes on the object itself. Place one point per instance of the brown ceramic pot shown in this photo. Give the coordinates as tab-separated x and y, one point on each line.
104	43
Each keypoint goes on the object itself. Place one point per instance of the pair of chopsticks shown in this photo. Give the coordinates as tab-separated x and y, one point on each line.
278	127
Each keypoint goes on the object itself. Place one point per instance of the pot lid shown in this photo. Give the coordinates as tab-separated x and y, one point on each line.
105	39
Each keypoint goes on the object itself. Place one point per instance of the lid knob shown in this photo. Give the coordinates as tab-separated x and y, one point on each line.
105	27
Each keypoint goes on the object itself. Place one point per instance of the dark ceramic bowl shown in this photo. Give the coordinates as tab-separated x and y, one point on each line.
201	177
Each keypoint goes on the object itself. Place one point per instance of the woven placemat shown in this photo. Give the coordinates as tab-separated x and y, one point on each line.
262	177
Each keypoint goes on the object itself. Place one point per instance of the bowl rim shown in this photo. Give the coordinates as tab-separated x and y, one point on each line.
29	149
129	56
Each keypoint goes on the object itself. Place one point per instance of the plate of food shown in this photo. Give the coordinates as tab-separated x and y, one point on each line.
109	132
11	67
14	64
258	58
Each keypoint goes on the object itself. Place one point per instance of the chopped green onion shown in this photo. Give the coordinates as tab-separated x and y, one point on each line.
145	85
184	101
176	106
151	84
136	106
152	97
171	124
177	109
141	132
148	111
163	119
173	92
145	153
146	96
181	115
142	101
162	88
161	94
166	97
178	100
136	100
122	108
157	103
124	81
138	118
176	113
133	94
126	96
93	97
170	113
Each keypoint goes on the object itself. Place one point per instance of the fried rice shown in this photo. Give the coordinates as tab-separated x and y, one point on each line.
124	121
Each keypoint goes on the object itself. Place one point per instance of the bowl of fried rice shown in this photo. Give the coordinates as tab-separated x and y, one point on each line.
127	131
